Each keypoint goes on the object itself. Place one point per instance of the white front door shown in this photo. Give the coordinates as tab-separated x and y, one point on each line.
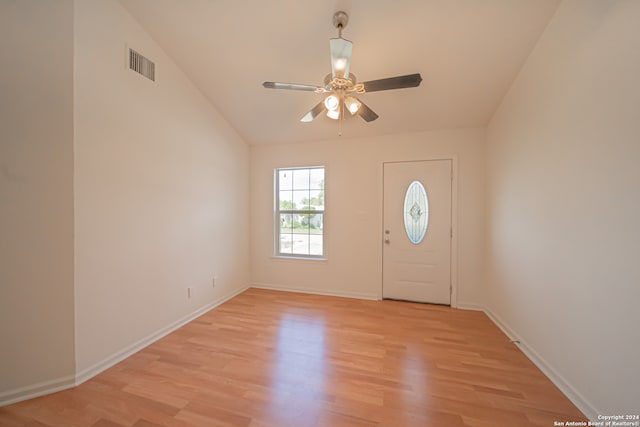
417	231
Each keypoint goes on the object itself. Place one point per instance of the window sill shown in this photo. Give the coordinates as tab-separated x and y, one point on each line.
299	258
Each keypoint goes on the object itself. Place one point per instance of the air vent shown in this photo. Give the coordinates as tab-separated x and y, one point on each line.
142	65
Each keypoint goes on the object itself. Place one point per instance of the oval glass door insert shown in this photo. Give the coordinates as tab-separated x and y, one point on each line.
416	212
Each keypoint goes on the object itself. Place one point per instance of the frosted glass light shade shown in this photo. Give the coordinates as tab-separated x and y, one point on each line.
331	102
352	104
333	114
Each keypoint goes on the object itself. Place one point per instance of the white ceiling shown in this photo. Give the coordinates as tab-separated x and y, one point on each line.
468	52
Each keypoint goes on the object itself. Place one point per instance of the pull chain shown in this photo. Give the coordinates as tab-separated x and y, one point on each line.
341	118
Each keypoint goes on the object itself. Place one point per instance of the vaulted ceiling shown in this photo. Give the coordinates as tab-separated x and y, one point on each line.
467	51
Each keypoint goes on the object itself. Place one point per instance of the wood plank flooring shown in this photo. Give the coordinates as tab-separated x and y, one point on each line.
279	359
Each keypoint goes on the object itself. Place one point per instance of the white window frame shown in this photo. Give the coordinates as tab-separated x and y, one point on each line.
278	211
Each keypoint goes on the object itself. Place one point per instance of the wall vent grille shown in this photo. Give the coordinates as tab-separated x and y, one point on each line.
142	65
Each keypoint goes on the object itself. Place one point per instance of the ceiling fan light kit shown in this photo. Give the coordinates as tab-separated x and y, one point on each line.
352	104
332	102
341	86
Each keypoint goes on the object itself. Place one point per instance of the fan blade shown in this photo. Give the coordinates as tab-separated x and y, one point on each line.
314	112
366	113
291	86
340	57
399	82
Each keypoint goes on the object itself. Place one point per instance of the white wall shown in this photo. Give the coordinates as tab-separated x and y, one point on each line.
564	203
161	192
353	219
36	196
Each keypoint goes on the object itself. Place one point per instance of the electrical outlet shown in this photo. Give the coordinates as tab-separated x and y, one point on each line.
213	282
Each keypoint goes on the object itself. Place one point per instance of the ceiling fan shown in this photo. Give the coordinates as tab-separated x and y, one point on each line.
341	85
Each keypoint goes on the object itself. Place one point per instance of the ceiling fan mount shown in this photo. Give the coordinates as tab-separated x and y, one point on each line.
341	85
340	20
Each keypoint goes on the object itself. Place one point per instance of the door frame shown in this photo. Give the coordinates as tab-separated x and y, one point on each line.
454	219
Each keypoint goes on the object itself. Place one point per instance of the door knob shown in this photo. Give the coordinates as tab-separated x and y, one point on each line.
386	236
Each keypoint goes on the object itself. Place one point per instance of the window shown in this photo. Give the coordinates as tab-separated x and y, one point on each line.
300	212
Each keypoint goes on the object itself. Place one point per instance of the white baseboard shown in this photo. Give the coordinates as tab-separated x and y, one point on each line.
556	378
36	390
48	387
470	306
331	293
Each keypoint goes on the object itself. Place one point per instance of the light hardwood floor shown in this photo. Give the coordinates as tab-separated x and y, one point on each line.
281	359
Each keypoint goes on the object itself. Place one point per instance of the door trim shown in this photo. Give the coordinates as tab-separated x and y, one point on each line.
454	220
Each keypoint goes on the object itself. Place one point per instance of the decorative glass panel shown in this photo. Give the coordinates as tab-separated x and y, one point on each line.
416	212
